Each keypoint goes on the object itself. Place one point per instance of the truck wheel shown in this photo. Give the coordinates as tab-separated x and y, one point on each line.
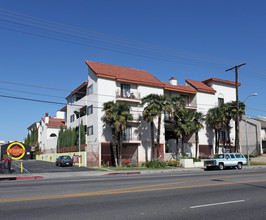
221	166
239	166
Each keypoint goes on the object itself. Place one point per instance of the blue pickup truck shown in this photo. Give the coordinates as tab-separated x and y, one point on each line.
226	160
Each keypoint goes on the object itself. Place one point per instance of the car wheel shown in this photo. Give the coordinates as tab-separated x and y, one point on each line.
221	166
56	164
239	166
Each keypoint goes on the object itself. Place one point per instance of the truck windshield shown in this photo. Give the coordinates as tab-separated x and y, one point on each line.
218	156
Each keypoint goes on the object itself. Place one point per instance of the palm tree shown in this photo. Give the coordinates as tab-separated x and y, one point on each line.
149	114
215	119
157	103
198	120
231	113
122	117
187	125
174	105
109	118
117	116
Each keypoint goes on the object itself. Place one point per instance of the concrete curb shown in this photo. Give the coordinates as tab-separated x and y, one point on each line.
125	173
20	177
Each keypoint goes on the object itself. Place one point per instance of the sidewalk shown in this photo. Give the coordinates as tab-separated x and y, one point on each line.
84	174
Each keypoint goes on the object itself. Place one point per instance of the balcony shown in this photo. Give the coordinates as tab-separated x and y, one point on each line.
128	96
131	138
136	118
190	103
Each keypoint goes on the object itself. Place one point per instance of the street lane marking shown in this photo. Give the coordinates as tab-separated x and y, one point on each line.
213	204
119	192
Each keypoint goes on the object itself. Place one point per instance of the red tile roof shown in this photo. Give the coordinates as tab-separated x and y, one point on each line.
124	74
64	109
200	86
179	88
220	80
55	122
79	88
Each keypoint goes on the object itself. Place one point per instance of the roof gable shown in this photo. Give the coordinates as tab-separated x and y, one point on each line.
200	86
124	74
220	80
179	88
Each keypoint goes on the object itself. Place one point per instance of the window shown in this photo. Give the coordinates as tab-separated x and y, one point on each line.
72	118
90	130
232	155
220	101
125	91
90	109
53	135
90	89
186	99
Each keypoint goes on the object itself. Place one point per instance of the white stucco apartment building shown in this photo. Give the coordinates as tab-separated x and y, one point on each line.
115	83
48	129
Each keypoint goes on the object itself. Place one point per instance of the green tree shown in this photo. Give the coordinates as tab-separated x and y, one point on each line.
198	124
215	119
230	110
117	116
109	119
157	103
174	105
122	117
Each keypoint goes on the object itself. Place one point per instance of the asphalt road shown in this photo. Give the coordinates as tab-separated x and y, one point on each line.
228	194
33	166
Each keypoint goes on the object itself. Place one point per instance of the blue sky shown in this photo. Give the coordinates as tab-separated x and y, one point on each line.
186	39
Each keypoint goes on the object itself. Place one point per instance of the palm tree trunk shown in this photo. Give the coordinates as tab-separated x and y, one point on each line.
197	142
182	146
152	141
228	135
120	147
114	147
158	136
216	139
177	147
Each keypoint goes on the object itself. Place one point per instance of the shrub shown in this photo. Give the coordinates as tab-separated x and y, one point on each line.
155	164
174	163
196	160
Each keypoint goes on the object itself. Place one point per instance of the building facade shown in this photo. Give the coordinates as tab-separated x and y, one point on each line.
115	83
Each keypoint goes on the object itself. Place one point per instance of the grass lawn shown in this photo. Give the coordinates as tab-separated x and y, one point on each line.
257	163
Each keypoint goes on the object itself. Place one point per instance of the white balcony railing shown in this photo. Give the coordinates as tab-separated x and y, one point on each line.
128	96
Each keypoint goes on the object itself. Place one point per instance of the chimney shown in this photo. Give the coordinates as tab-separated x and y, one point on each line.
46	119
173	81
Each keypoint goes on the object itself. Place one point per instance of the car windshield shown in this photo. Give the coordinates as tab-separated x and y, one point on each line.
218	156
66	157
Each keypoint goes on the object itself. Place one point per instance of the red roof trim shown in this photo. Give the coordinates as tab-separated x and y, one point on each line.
179	88
200	86
124	74
220	80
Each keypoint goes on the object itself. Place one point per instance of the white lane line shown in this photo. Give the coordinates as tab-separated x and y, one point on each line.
213	204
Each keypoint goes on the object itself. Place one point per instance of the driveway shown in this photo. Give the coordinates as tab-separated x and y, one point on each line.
34	166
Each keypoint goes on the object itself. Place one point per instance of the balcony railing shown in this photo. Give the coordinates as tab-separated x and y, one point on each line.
128	96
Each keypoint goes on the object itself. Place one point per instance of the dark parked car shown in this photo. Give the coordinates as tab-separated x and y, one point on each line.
64	161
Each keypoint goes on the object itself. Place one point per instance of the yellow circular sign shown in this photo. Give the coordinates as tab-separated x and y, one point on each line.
16	150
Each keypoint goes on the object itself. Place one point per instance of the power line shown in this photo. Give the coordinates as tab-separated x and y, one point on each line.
98	35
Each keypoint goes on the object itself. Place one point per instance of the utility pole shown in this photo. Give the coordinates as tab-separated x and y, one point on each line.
237	106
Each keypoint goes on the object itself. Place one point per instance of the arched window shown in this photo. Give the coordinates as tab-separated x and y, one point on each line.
53	135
